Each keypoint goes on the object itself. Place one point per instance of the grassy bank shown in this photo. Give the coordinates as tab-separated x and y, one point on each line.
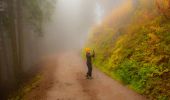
136	52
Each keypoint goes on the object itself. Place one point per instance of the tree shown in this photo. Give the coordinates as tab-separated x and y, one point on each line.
164	7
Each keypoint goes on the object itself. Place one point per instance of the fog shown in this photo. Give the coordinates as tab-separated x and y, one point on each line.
72	20
67	29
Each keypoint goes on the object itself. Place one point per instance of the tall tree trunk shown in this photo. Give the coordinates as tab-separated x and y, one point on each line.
19	34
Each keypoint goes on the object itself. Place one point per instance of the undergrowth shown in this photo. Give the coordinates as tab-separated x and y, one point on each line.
26	88
137	54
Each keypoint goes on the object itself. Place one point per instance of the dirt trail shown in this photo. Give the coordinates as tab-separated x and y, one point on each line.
69	82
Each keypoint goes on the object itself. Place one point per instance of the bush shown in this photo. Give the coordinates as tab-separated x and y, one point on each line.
140	56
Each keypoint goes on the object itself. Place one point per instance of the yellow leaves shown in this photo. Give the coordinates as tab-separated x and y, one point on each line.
150	75
163	3
155	28
121	40
164	7
166	70
153	38
156	59
120	12
117	50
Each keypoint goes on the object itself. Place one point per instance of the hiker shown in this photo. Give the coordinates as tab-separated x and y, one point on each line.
89	57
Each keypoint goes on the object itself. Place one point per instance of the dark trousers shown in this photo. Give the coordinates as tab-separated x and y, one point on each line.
89	73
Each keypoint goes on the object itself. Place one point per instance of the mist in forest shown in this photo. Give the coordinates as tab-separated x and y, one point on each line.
72	20
68	28
33	31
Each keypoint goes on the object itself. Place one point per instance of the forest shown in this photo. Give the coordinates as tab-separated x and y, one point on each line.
45	47
135	51
17	19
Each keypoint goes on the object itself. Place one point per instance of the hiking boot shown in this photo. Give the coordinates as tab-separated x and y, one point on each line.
87	76
90	77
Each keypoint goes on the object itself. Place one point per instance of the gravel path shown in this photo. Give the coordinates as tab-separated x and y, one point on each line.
68	82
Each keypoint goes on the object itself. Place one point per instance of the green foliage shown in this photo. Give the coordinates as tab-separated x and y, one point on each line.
138	55
138	74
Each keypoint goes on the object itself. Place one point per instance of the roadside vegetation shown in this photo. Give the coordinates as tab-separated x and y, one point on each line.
26	88
135	47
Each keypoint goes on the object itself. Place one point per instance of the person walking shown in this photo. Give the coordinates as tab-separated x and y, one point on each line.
89	57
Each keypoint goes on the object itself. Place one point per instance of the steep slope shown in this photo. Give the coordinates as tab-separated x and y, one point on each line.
137	51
